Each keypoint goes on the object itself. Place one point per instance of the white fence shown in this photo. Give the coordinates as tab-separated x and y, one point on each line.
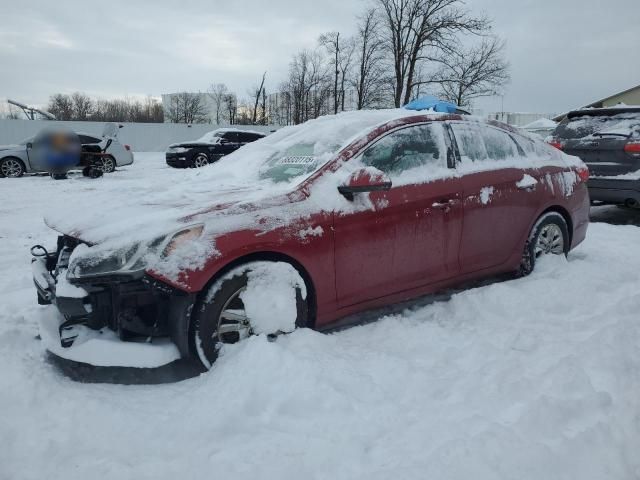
143	137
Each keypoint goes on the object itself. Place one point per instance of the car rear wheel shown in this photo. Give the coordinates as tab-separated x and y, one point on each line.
11	168
549	236
108	164
220	317
200	160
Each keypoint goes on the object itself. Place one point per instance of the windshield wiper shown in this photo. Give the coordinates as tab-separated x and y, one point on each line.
613	134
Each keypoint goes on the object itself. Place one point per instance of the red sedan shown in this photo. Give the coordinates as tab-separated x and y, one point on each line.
313	223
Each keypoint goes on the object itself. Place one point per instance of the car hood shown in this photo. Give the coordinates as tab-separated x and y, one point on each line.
146	221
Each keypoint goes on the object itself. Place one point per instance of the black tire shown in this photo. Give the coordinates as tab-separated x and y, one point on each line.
542	241
204	328
86	172
59	176
108	164
12	167
200	160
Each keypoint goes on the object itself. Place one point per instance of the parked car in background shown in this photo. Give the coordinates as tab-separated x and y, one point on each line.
332	217
608	141
210	147
15	159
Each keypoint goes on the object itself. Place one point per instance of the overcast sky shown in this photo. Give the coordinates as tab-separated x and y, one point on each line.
563	53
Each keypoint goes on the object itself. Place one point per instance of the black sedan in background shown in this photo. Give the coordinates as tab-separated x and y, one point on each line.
209	148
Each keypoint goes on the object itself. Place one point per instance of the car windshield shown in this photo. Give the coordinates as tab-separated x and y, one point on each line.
623	124
211	137
290	155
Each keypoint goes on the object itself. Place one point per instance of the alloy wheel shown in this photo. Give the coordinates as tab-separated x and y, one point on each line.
233	323
550	240
200	161
11	168
107	165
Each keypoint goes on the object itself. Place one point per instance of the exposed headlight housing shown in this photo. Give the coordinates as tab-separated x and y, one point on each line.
131	261
178	149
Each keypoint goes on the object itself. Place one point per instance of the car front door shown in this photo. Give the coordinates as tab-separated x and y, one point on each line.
498	205
408	236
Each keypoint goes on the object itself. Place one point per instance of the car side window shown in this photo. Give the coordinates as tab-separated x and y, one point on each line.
231	137
499	144
407	149
470	143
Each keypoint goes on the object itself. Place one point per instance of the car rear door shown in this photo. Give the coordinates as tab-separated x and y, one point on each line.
498	205
408	236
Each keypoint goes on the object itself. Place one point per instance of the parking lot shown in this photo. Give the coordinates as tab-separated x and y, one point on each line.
533	375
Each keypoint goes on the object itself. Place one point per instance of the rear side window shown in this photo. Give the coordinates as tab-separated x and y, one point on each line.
499	144
408	149
470	143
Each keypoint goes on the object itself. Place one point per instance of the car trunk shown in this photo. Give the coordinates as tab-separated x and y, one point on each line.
599	138
605	156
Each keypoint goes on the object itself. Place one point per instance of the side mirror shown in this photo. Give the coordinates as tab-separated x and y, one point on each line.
29	145
368	179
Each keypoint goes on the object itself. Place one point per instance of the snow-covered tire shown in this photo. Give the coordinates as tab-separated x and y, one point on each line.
200	160
220	304
549	235
11	167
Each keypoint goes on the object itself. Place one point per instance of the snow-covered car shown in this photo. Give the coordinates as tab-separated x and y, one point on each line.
209	148
608	141
15	159
326	219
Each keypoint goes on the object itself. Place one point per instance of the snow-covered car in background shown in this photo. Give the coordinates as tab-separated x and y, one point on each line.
329	218
608	141
209	148
15	159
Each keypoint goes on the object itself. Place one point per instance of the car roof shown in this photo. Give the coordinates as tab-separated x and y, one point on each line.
603	112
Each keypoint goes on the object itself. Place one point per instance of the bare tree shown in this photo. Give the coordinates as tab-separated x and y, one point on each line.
369	79
416	30
331	42
231	105
82	106
61	106
257	91
309	85
217	93
474	72
185	107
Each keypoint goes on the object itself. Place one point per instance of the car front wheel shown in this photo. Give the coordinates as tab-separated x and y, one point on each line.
222	315
11	168
200	160
549	236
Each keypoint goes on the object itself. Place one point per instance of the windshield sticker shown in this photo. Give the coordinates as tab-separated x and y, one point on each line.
297	160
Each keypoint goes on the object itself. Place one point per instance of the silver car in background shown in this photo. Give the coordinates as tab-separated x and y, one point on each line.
14	159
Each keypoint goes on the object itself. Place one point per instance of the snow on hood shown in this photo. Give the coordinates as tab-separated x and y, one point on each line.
11	147
239	191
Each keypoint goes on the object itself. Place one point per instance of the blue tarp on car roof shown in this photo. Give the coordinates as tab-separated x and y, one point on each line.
431	103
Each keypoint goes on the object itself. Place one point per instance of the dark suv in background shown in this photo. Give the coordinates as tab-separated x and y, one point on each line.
209	148
608	141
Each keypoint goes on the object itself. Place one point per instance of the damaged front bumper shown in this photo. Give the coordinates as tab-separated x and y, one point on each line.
117	320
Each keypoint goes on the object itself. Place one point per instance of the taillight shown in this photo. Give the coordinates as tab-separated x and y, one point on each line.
583	173
127	148
633	148
554	142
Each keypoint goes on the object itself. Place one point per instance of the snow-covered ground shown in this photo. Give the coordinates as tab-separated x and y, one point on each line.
526	379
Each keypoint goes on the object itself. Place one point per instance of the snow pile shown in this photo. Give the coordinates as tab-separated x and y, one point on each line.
527	181
485	195
529	379
270	297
